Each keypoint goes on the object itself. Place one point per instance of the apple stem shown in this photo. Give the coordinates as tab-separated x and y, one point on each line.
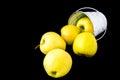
82	28
37	46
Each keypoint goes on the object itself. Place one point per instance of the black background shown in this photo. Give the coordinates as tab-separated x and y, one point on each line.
51	17
29	20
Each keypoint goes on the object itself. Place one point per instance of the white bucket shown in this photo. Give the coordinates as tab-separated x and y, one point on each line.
98	20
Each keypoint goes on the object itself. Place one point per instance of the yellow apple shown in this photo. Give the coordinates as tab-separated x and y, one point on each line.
51	40
57	63
85	44
85	24
69	32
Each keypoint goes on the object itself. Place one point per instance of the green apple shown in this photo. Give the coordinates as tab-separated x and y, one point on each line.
51	40
85	44
69	32
85	24
75	17
57	63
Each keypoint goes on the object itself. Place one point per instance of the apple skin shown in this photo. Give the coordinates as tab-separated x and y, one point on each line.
69	32
51	40
85	24
57	63
85	44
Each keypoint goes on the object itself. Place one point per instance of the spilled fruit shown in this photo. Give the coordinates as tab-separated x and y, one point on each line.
69	33
85	44
51	40
57	63
79	34
84	24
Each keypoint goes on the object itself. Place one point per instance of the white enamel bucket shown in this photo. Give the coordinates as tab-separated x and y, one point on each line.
98	20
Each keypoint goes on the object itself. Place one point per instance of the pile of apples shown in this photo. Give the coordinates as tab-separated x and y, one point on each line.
79	33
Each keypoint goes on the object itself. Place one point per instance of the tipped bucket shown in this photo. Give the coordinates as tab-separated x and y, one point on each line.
98	20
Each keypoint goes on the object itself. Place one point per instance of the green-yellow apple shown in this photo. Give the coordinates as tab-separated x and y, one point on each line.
51	40
75	17
85	24
57	63
69	32
85	44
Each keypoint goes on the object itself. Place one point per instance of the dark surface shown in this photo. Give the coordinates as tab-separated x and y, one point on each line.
54	15
32	19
